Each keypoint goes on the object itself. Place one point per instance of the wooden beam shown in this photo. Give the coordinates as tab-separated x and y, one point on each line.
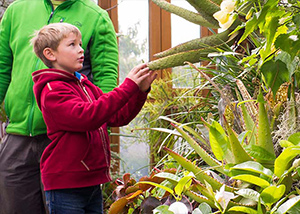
112	8
159	31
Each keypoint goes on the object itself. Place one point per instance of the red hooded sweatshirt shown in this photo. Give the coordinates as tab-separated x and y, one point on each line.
77	114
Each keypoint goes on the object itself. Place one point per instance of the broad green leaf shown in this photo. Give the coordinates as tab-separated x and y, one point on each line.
218	140
295	138
287	44
271	25
249	193
162	209
286	206
253	166
251	25
184	181
291	63
295	209
242	209
296	19
204	208
272	194
283	161
275	73
197	211
168	176
253	180
259	153
285	143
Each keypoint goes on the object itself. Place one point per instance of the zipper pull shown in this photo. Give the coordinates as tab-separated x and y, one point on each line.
51	14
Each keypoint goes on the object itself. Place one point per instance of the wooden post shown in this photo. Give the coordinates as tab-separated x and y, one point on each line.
159	31
112	8
159	37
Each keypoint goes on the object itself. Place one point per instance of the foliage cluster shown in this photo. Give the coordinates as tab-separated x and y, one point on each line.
246	158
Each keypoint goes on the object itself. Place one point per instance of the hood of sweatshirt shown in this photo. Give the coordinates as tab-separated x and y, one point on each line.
42	77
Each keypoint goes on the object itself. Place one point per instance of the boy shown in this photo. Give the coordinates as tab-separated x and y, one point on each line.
21	149
76	114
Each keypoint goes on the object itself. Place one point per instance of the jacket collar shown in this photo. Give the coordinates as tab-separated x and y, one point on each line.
63	5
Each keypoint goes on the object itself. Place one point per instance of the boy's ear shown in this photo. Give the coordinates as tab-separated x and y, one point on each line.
48	53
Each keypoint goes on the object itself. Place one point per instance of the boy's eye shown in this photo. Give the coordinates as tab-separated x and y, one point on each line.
72	44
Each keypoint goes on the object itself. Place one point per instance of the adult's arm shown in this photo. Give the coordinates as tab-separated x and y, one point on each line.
6	57
104	54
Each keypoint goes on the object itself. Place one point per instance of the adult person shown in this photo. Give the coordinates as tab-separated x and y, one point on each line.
20	153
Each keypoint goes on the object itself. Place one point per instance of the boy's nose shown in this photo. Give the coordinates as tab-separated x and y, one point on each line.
81	49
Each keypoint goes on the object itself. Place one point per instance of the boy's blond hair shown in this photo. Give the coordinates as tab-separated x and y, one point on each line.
50	36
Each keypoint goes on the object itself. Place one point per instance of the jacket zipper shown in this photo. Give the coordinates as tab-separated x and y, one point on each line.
102	135
30	128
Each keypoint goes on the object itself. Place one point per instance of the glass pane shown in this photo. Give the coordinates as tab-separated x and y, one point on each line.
133	34
182	75
133	49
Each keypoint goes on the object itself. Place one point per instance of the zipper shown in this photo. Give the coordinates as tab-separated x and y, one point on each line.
101	132
30	123
30	119
85	92
51	15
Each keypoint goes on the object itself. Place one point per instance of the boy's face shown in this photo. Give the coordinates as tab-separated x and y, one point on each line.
69	54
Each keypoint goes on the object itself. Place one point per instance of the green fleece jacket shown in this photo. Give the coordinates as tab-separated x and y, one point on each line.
17	59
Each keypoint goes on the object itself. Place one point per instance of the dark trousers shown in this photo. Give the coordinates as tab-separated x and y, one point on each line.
21	189
86	200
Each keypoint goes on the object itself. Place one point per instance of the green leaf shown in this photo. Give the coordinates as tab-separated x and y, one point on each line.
184	181
291	63
264	138
285	143
253	180
260	153
218	140
296	20
272	194
286	206
168	176
238	151
285	43
242	209
294	138
253	166
249	193
199	198
283	161
204	208
275	73
271	25
251	25
159	186
162	209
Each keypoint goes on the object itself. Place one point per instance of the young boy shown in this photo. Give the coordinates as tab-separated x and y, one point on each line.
76	114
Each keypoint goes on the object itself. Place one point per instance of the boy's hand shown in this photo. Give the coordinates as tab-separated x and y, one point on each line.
142	76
